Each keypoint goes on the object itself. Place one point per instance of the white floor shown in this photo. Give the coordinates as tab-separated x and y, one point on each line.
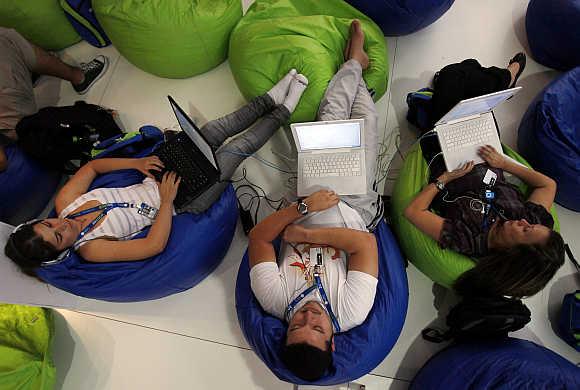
192	339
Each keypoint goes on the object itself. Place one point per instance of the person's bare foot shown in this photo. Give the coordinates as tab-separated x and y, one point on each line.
513	68
516	66
357	43
347	50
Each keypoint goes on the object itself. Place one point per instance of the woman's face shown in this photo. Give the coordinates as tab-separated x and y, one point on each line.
521	232
61	233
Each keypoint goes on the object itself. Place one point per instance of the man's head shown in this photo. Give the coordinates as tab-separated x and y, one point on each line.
309	342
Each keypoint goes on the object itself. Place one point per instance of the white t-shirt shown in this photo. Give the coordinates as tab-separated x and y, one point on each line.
351	293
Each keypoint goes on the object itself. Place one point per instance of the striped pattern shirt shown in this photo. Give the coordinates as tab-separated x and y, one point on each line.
120	223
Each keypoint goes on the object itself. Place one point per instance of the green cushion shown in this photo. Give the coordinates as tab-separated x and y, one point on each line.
175	39
25	348
441	265
309	35
42	22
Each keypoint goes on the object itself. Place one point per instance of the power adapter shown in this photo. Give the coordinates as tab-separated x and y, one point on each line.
247	221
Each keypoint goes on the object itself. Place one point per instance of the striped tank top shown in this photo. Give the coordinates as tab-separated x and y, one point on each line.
119	223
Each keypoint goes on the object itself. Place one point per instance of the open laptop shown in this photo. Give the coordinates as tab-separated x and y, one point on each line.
331	155
468	126
189	155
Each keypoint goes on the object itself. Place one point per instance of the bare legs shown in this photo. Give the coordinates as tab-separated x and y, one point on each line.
47	64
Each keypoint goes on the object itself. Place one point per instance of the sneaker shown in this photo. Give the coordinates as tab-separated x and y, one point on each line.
93	71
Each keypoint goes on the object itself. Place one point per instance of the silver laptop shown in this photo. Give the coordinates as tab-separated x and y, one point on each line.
468	126
331	156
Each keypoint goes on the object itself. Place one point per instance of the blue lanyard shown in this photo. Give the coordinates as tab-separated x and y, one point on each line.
317	284
104	208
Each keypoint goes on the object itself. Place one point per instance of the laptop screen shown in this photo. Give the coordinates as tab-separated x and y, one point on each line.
477	105
329	136
192	132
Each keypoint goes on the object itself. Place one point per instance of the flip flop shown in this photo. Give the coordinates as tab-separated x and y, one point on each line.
520	58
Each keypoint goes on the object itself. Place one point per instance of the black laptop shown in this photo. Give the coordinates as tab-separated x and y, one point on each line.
189	155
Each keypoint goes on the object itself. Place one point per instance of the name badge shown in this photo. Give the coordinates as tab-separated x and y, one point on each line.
147	211
489	178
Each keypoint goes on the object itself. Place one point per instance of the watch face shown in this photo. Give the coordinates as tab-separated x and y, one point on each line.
302	208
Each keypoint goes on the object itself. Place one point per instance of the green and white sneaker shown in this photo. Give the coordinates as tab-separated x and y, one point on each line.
93	71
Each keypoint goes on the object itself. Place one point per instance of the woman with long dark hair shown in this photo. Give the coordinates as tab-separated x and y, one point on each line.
510	236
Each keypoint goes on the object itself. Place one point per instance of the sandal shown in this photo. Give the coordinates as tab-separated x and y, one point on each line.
520	58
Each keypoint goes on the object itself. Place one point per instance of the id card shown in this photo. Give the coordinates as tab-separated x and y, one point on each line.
316	256
490	178
147	211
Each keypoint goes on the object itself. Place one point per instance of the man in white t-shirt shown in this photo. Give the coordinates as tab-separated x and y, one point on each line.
321	292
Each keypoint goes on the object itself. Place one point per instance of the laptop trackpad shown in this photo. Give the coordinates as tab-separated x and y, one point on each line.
346	186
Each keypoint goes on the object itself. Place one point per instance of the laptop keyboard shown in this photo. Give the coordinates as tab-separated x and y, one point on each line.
469	133
327	165
180	161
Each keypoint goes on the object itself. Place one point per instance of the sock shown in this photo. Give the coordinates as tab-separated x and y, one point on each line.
297	87
280	90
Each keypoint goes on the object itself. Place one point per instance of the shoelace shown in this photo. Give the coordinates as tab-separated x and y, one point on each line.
86	67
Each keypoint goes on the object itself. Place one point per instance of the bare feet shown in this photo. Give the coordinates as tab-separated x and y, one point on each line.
513	68
356	45
516	67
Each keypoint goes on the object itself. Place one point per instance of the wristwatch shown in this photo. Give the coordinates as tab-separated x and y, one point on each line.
439	184
302	207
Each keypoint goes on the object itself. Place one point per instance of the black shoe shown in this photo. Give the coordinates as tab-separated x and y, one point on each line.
93	71
520	58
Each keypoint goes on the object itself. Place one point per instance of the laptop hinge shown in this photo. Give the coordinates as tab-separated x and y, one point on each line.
466	118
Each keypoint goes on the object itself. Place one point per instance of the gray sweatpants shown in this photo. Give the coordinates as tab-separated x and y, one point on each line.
347	97
265	117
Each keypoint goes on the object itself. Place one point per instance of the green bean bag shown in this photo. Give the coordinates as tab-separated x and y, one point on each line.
25	348
443	266
42	22
309	35
176	38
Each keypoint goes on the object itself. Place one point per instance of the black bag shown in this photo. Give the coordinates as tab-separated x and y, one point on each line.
57	135
480	318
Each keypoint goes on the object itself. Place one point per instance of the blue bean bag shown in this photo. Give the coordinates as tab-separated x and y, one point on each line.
358	350
503	364
402	17
553	29
196	246
549	136
25	187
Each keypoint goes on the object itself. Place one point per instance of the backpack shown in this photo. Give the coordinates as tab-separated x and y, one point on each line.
481	317
80	14
130	145
57	135
419	113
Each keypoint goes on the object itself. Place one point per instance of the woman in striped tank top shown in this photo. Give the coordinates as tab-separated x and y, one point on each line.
99	224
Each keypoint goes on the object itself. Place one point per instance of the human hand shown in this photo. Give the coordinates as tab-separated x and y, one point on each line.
321	200
168	187
145	164
492	156
456	173
295	233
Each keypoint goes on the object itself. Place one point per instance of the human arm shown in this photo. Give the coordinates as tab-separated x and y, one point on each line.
260	246
360	246
104	251
543	187
418	209
82	179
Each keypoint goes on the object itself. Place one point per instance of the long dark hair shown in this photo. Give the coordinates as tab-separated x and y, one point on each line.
520	271
28	249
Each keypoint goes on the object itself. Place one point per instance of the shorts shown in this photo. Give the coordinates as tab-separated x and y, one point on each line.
17	59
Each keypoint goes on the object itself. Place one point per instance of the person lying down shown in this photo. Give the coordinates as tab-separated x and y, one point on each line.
101	223
324	281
